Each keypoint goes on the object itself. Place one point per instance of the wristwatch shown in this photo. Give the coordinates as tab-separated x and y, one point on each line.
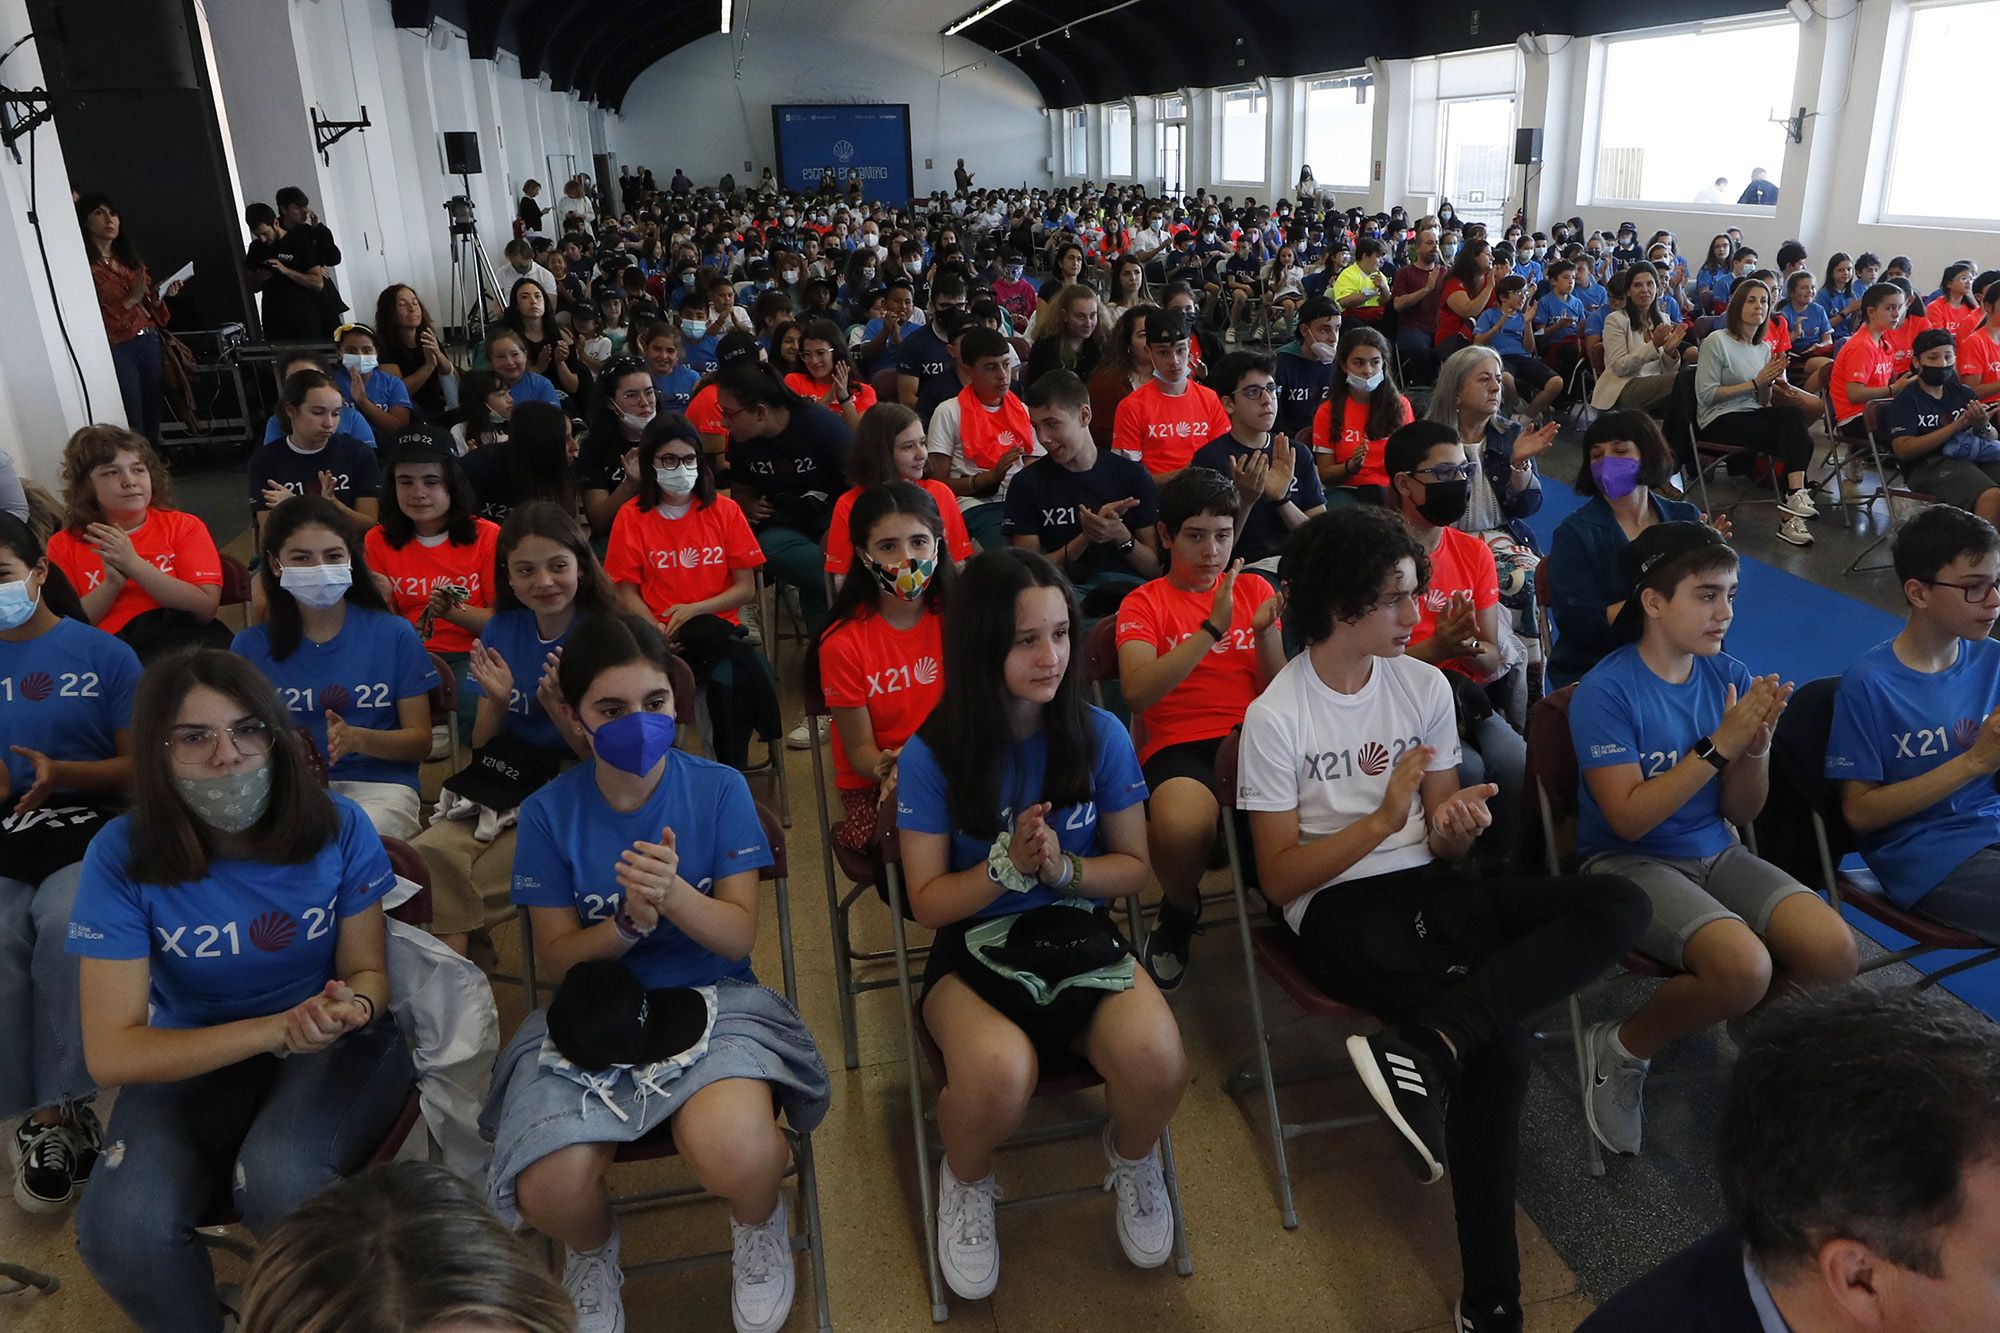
1705	749
1125	547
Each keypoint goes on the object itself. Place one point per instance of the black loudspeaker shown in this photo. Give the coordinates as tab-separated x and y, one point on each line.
461	152
1527	148
114	45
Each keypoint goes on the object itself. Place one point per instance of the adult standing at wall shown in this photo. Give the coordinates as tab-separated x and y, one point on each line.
133	315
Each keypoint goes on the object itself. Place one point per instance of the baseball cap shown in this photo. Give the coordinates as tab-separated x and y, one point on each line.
1645	554
603	1015
1166	326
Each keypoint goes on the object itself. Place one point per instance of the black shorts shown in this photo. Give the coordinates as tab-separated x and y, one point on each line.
1530	373
1189	759
1052	1028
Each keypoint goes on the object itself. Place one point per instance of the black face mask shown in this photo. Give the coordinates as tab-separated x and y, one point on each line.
1445	502
1937	376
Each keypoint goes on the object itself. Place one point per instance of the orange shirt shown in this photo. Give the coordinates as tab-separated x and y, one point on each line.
673	561
1957	320
897	675
1214	696
1164	432
1899	339
840	551
1979	359
1354	435
705	414
1861	361
1461	563
418	568
169	540
806	387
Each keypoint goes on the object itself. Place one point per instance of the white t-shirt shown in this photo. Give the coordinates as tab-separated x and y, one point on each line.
943	439
1328	755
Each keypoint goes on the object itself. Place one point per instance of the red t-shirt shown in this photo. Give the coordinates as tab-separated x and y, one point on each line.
673	561
1899	339
1354	435
1957	320
171	541
1448	322
705	414
1861	361
897	675
418	568
1461	563
1778	335
806	387
840	551
1214	696
1979	359
1163	432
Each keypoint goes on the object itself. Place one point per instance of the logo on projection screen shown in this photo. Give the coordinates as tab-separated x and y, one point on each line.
843	151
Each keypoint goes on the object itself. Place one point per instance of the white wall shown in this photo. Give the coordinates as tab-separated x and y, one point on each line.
688	111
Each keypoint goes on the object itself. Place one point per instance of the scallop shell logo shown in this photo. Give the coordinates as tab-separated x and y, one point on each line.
1372	758
335	697
690	557
843	151
1437	599
273	932
37	686
926	671
1966	732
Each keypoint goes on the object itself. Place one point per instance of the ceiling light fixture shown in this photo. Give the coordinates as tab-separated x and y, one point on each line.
960	25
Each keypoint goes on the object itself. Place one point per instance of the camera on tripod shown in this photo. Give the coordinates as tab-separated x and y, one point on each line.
458	209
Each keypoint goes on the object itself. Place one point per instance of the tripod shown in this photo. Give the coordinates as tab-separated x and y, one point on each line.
473	281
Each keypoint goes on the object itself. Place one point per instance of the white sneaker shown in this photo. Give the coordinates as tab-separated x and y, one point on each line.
592	1279
752	616
804	737
1145	1215
761	1263
440	742
968	1248
1614	1084
1794	530
1799	504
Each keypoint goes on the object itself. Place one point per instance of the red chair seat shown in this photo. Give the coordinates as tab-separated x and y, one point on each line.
1872	902
1277	955
857	866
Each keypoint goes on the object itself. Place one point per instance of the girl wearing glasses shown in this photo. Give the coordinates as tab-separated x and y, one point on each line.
352	672
232	918
625	403
66	711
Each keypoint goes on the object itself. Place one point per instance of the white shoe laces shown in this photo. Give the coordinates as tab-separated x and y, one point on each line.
592	1281
968	1212
758	1250
1141	1186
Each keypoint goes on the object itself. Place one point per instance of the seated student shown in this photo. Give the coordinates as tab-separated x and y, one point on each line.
1126	366
1163	421
507	356
1348	773
1277	486
979	439
1942	434
682	844
1900	340
674	381
878	658
1459	625
1673	736
683	553
1865	368
146	571
1850	1157
703	413
313	458
352	423
1037	833
1362	288
233	918
1194	648
1069	335
437	554
68	762
352	673
786	457
1304	367
890	444
828	377
537	461
1370	408
1811	347
1503	326
549	581
1923	806
1559	316
487	410
926	375
1979	348
1954	310
1733	389
1090	511
882	340
378	395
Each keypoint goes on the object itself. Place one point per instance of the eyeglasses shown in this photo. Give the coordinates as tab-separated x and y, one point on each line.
1256	393
1447	472
196	745
1976	591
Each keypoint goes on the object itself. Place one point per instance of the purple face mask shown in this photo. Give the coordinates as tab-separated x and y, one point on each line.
1616	477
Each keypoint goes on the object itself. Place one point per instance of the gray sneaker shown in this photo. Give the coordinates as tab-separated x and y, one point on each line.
1613	1084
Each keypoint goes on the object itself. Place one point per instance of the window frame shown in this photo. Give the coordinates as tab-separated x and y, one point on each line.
1903	20
1076	135
1338	78
1223	97
1112	111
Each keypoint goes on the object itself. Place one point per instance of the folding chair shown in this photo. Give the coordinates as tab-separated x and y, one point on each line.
235	586
1874	419
920	1051
1843	451
883	382
1798	757
772	765
1545	605
1268	949
1710	454
660	1143
444	704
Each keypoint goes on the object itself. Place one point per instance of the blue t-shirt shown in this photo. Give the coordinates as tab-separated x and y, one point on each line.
533	387
247	940
1594	321
923	806
1552	308
698	354
64	693
570	839
1891	724
361	673
513	635
1810	327
383	389
1507	342
676	387
1593	295
351	423
1624	714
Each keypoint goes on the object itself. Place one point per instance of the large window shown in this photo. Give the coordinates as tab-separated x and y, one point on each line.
1476	134
1659	148
1246	120
1340	131
1078	141
1118	139
1934	170
1172	117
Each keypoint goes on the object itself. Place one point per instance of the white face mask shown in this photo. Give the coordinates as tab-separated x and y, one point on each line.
316	586
634	423
677	480
1324	353
361	361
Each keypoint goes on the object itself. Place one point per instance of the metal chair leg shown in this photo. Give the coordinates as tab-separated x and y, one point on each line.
927	1201
1261	1034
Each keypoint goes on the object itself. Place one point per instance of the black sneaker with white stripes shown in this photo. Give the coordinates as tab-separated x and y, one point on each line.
1409	1073
1482	1318
45	1172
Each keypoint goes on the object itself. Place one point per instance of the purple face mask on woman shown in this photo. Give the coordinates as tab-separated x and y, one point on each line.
1616	477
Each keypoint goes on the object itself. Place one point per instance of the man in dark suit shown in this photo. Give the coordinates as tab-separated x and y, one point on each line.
1859	1155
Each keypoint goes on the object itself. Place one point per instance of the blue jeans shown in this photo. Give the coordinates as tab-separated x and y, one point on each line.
800	561
138	363
41	1062
1968	899
263	1135
1498	755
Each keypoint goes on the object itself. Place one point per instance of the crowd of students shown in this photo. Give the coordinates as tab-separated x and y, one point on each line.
955	473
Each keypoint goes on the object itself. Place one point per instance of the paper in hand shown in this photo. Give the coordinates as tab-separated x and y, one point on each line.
181	274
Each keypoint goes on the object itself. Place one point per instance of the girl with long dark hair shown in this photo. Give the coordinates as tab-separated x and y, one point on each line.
1371	407
409	347
134	318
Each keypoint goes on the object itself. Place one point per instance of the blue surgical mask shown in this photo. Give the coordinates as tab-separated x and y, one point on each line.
635	742
16	606
316	586
694	328
687	279
362	362
1365	383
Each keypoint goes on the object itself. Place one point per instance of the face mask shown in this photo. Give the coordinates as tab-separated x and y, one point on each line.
790	221
634	423
16	607
1936	376
1445	502
1365	383
357	361
316	586
687	279
1616	477
1323	352
678	479
791	276
868	273
1450	252
906	579
694	328
230	803
635	742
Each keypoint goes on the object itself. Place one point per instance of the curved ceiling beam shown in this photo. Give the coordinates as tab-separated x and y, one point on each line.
611	22
615	68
